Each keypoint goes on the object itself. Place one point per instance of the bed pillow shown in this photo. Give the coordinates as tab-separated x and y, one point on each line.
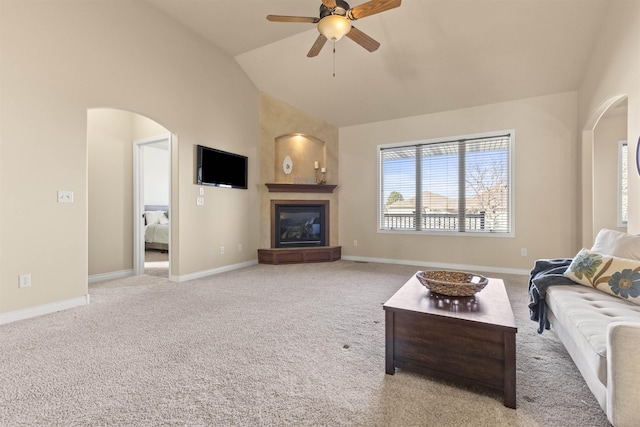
162	218
151	217
617	243
619	277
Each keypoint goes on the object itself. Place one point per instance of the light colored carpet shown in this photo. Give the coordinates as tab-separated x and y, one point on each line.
297	345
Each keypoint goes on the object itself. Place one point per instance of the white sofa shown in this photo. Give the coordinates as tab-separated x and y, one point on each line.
601	332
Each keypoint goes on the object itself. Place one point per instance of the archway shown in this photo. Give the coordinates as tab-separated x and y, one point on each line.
111	188
606	126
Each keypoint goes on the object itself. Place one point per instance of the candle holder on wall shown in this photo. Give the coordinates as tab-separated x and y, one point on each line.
323	171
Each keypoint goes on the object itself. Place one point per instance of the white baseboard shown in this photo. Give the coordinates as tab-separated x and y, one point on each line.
174	278
205	273
445	266
110	276
40	310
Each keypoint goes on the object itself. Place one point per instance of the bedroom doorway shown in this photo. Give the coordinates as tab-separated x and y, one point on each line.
152	205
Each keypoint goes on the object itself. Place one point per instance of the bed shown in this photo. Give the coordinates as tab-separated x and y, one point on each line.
156	227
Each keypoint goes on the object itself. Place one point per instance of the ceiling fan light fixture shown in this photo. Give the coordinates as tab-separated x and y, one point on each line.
334	27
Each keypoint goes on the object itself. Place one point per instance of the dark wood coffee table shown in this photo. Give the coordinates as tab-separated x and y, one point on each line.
466	340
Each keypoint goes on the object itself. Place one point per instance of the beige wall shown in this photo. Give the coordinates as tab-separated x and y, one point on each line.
122	55
609	131
545	185
613	72
110	188
277	119
144	127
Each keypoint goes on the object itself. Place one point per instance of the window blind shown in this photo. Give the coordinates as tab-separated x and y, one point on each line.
461	185
623	183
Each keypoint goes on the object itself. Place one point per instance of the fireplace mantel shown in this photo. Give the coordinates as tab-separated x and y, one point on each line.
299	188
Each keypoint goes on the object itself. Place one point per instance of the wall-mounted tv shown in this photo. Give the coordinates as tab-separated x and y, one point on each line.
220	168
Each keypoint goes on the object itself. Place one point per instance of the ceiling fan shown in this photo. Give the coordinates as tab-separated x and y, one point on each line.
333	22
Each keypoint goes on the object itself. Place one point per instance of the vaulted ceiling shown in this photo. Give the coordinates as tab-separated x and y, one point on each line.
435	55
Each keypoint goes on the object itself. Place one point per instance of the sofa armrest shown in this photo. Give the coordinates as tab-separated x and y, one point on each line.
623	373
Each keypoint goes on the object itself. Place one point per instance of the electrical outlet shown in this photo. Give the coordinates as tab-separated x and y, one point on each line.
200	201
221	250
202	191
65	196
24	280
523	252
240	247
355	243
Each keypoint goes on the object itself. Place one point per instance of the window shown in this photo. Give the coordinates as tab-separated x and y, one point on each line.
623	183
459	185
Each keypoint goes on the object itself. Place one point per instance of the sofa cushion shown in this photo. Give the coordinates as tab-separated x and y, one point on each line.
616	276
617	243
588	313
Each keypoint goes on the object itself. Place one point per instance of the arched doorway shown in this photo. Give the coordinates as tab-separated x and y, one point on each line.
113	203
601	138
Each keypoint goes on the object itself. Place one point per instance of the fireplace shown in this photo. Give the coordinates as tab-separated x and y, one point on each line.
299	223
299	233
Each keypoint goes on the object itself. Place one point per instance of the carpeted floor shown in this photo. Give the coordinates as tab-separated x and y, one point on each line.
298	345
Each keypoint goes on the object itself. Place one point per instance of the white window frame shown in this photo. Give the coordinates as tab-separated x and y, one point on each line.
623	163
511	179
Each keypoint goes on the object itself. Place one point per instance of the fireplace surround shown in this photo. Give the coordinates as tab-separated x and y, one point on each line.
300	233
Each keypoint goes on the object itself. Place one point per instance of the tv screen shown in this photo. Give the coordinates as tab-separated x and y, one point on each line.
221	169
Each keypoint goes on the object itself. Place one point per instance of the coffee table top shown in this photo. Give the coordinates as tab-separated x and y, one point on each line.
490	306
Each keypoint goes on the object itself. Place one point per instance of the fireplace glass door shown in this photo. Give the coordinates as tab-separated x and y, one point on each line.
299	226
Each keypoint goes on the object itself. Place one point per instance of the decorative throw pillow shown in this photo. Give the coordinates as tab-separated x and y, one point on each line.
617	243
616	276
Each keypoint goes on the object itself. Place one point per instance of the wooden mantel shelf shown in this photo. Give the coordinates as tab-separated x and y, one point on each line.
300	188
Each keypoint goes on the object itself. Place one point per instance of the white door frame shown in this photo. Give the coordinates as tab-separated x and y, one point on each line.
138	199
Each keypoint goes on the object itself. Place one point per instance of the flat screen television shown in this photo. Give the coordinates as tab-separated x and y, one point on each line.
220	168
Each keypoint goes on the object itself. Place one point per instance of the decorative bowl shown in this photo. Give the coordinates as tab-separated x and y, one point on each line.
452	283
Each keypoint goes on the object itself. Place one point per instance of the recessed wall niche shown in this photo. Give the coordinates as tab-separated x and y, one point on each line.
298	153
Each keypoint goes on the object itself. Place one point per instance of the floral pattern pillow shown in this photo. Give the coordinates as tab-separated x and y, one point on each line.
616	276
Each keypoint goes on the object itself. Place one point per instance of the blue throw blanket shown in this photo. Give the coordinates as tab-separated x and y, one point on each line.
546	272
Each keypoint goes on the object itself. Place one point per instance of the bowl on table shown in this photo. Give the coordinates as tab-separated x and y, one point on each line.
452	283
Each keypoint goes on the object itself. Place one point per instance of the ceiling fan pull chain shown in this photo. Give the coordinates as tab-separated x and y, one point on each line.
334	59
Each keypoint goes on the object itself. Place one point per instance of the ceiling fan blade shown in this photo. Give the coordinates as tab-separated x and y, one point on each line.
362	39
280	18
317	46
329	3
371	8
